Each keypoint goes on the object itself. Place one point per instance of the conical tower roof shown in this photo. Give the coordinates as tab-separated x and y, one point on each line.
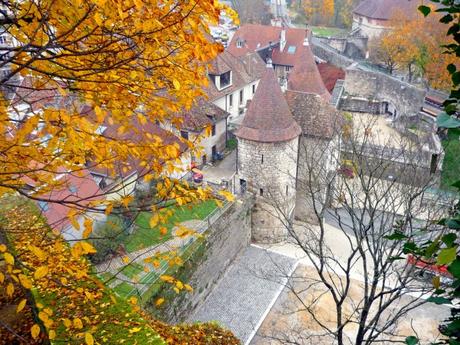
305	76
268	118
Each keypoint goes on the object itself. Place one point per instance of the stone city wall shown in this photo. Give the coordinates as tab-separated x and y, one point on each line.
407	98
329	54
223	241
361	105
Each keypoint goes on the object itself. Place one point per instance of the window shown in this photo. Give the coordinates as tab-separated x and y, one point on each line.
2	39
287	68
434	164
291	49
73	189
262	159
239	43
241	97
287	190
254	89
213	130
261	192
184	134
225	79
230	101
43	206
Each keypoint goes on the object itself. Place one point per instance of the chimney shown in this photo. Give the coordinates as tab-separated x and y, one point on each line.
269	63
282	39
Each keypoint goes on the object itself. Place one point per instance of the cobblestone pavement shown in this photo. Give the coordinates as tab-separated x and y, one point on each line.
246	293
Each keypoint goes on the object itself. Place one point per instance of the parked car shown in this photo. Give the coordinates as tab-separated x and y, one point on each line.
217	156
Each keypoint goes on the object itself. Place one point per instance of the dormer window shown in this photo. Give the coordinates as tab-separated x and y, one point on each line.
225	80
239	43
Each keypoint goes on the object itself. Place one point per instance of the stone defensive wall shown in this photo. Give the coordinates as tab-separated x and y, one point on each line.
371	87
205	266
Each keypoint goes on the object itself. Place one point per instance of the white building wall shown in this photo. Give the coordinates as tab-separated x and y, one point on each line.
368	27
235	110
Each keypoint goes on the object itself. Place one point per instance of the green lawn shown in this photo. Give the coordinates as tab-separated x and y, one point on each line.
328	31
123	289
451	164
144	236
133	270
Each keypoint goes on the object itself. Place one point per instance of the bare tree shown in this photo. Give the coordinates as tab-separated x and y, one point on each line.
355	191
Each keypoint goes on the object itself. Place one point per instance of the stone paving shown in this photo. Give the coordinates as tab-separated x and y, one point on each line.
245	294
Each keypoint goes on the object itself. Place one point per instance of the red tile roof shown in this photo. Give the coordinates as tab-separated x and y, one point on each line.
201	115
136	133
305	76
330	74
35	93
256	37
316	116
245	70
384	9
73	190
268	118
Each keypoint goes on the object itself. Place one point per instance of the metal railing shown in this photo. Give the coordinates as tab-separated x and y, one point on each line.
185	244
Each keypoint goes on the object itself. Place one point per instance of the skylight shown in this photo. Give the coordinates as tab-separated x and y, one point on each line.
291	49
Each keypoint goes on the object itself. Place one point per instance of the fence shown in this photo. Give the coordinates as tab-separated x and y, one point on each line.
185	244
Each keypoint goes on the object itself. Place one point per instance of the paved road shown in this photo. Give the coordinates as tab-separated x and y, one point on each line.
248	290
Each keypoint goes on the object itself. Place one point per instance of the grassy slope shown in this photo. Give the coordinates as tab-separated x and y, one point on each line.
144	236
451	164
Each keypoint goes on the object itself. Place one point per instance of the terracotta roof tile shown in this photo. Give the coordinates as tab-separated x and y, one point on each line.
305	76
316	116
268	118
245	70
256	37
202	114
384	9
330	74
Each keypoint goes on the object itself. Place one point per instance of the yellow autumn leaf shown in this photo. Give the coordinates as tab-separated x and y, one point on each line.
87	248
52	334
2	278
159	301
67	323
21	305
9	258
167	279
154	220
41	272
135	330
77	323
126	259
89	339
38	252
227	195
35	331
88	227
25	281
9	290
2	248
176	84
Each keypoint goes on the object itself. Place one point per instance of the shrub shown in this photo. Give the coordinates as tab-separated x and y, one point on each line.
107	238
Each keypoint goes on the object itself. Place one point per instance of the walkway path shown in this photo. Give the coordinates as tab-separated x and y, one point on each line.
246	293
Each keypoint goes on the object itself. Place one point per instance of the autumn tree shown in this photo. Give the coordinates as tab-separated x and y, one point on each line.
318	12
407	48
72	68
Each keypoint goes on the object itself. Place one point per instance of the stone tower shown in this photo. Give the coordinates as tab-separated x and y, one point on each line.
268	142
